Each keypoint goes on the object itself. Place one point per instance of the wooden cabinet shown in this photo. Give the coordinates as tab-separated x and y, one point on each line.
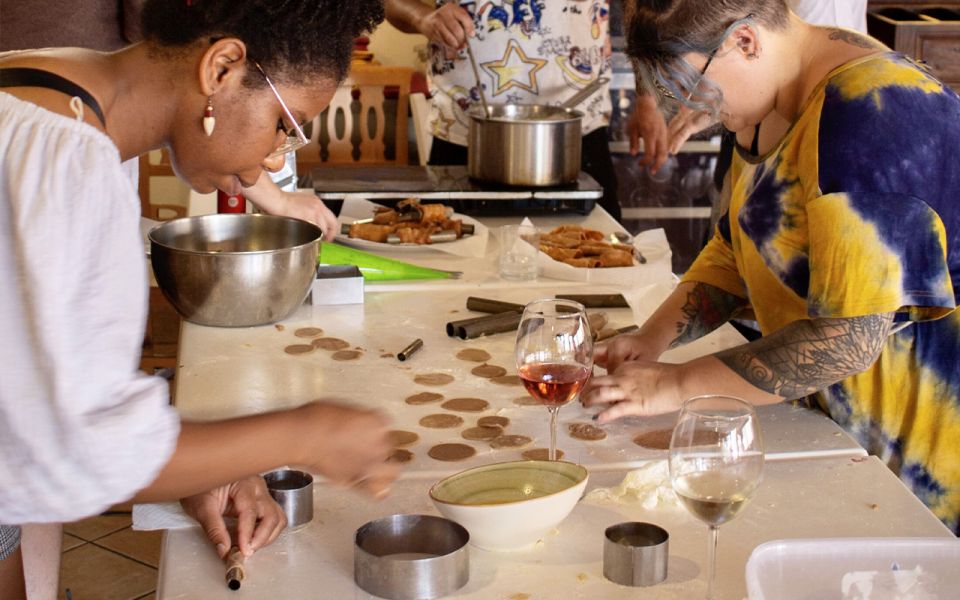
927	32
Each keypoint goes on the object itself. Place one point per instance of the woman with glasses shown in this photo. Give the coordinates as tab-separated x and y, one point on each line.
842	237
223	86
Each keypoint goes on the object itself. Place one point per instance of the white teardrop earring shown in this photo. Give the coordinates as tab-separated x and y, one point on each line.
209	122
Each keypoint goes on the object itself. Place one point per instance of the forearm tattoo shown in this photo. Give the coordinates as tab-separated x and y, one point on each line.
807	356
706	308
854	39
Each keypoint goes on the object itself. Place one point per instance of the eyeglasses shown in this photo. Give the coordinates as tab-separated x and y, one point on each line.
295	138
666	93
662	89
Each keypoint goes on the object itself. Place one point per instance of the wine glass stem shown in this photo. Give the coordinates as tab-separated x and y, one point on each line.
712	561
554	410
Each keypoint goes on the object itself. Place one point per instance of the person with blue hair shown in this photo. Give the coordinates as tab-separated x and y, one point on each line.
841	238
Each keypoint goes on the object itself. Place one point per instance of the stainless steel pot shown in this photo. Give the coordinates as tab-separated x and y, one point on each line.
235	270
524	145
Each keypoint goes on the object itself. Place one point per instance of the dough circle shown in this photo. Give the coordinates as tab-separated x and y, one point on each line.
451	452
489	371
473	355
509	441
494	421
308	332
466	405
399	437
659	439
347	355
297	349
586	432
424	398
481	433
441	421
540	454
527	401
433	378
330	343
400	456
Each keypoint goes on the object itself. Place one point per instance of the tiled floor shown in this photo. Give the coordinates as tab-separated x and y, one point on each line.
104	559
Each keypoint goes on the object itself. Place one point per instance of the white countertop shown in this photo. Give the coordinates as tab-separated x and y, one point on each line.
227	372
829	497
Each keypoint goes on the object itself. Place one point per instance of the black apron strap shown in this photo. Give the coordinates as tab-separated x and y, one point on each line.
23	77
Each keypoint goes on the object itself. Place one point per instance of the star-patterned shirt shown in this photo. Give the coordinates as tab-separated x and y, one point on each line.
529	52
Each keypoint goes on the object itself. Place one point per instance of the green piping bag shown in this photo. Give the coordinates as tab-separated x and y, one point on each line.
378	268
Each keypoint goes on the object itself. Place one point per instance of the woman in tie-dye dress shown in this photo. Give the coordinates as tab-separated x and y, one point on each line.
842	237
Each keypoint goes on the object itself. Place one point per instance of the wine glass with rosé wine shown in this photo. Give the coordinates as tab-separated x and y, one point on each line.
716	463
554	355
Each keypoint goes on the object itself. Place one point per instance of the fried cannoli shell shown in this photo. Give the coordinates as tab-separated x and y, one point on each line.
455	225
594	248
578	232
559	241
559	253
625	248
414	235
433	213
385	216
590	262
370	231
616	258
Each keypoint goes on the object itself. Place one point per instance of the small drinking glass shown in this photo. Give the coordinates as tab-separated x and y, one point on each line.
716	463
554	352
519	248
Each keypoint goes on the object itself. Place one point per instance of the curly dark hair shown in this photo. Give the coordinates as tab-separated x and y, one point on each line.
293	40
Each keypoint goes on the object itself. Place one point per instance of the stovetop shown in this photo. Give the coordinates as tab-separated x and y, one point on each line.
452	185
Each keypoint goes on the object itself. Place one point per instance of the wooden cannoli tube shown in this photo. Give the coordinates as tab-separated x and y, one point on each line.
605	334
235	570
498	323
453	326
597	300
487	305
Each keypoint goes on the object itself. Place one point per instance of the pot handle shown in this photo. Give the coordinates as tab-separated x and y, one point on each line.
585	93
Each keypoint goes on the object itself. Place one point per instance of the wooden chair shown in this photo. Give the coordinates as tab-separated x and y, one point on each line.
162	333
162	168
360	126
162	336
420	111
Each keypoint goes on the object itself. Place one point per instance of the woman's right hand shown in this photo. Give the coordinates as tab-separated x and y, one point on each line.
348	446
622	348
449	25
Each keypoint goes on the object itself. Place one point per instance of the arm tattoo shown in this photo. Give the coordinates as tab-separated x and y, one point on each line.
853	38
707	307
806	356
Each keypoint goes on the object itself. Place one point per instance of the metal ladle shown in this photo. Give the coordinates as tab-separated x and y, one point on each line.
585	93
476	75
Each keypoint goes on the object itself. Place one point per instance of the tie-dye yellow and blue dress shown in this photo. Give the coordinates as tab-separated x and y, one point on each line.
856	212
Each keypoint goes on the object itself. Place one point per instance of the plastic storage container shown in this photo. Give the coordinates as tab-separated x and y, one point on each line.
855	569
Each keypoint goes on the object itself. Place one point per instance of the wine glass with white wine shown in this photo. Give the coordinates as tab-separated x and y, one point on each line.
554	353
716	463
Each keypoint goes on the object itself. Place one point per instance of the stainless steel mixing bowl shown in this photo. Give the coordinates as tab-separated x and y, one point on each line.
235	270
